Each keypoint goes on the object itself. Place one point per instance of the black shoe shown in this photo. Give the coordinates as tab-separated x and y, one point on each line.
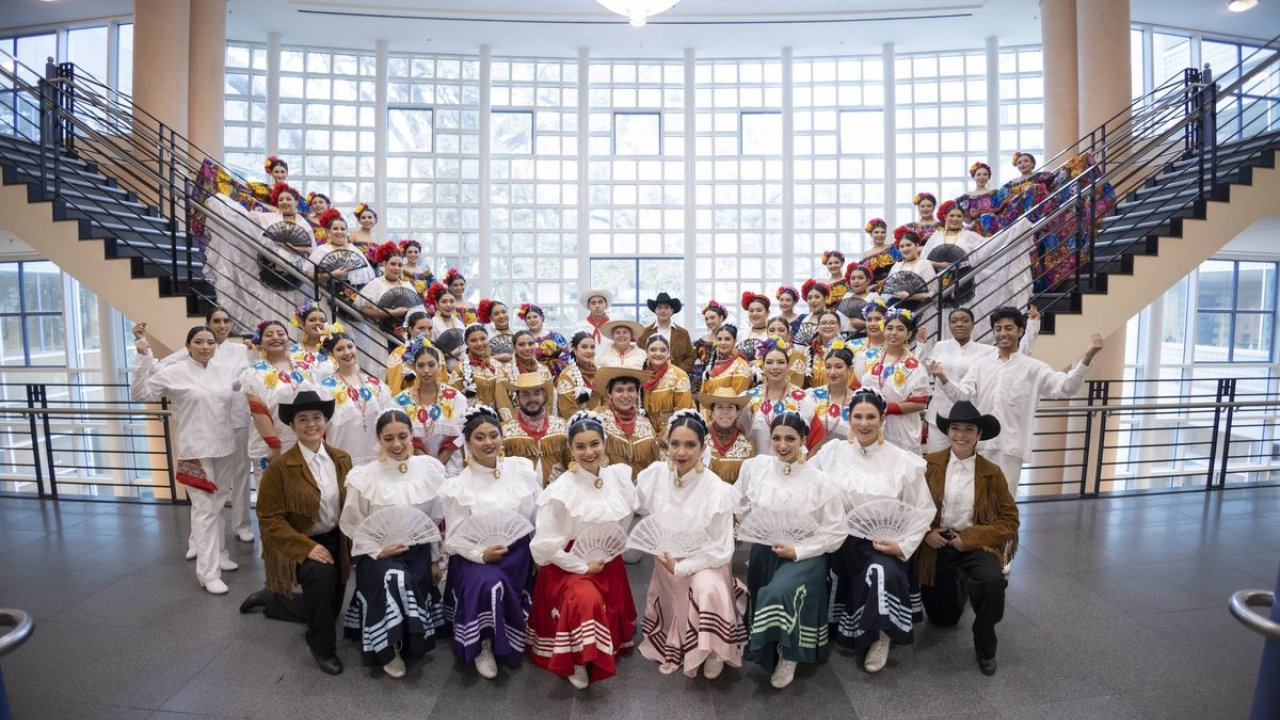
330	664
987	665
258	599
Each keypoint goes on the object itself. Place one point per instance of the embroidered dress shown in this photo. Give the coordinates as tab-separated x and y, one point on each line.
353	427
272	386
728	455
550	351
438	427
787	612
863	358
318	360
832	416
631	444
974	205
575	383
838	290
477	379
764	410
545	444
489	601
579	618
906	380
798	367
695	613
666	393
733	373
923	229
880	264
871	591
396	606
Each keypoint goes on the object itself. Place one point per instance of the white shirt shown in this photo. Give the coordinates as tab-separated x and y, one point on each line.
806	489
957	497
1010	391
663	331
439	324
610	357
326	477
233	354
571	504
202	397
370	294
957	360
702	500
380	484
475	491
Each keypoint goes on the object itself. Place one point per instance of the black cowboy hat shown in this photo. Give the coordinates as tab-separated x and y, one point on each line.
305	400
965	412
666	299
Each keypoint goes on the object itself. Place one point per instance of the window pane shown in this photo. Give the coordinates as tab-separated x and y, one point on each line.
11	341
41	287
512	133
87	48
46	340
1213	337
35	49
124	59
862	132
1171	54
1216	283
1256	286
1253	337
409	130
762	133
637	134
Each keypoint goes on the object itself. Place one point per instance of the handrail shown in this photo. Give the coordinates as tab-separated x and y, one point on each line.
1241	605
77	412
23	626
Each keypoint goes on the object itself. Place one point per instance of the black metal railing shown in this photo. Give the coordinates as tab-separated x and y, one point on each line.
56	444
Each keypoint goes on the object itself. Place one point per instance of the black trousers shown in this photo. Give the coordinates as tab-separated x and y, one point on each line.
985	586
320	602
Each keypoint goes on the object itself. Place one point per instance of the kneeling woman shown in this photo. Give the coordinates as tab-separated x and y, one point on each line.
583	614
872	606
396	608
787	610
693	612
487	595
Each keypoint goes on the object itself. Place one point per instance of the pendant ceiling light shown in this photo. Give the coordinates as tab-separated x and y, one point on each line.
638	12
1241	5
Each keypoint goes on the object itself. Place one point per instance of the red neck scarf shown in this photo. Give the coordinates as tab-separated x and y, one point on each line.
723	449
723	365
533	366
534	430
626	420
477	362
595	325
652	382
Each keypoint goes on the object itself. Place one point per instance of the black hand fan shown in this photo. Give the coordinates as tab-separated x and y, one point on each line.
500	345
393	299
748	348
851	307
947	254
805	334
904	281
340	259
448	341
290	234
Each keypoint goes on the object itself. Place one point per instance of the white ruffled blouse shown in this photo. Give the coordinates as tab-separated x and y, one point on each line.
475	491
805	490
702	500
573	503
380	484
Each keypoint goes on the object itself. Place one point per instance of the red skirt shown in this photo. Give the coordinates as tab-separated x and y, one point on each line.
581	620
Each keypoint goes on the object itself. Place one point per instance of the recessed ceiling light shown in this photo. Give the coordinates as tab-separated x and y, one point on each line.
1241	5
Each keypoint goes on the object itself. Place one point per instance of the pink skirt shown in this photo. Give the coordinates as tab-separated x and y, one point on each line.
690	619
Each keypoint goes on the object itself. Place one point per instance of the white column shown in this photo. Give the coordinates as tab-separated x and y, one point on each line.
890	137
993	101
584	146
486	105
788	171
380	128
691	299
273	92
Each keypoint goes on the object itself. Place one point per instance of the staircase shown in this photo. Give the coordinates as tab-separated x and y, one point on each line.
106	192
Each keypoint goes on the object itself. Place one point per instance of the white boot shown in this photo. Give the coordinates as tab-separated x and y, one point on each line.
216	587
486	664
579	677
712	667
395	668
783	674
877	654
226	563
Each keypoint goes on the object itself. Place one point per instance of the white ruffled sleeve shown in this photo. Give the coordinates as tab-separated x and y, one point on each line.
719	551
554	526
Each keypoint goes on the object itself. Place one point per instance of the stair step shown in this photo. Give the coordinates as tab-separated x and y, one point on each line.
109	215
13	147
89	184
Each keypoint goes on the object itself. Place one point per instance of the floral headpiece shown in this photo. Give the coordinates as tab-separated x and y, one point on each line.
717	308
526	308
750	297
902	231
945	208
272	161
841	344
385	251
416	346
769	345
435	292
907	317
362	207
311	196
830	254
922	196
282	188
484	310
256	338
300	313
328	216
330	329
810	285
407	243
480	409
875	304
1018	155
452	275
874	223
785	290
974	168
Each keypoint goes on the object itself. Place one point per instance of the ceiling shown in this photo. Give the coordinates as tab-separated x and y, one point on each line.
712	27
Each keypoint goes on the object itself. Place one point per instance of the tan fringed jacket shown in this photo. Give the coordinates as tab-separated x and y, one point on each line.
288	506
995	516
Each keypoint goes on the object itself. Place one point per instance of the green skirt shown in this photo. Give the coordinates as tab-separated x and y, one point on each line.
787	609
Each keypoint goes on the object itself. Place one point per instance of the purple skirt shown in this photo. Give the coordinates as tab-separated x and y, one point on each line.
490	601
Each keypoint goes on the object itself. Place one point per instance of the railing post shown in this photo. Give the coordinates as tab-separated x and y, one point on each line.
1101	391
168	452
35	445
1088	439
173	208
1230	385
1214	434
42	395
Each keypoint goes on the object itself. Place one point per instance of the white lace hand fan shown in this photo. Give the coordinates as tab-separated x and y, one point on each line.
776	527
388	526
484	531
655	537
601	542
888	519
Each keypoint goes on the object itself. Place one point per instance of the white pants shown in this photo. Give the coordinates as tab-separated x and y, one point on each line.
240	481
208	525
937	440
1011	465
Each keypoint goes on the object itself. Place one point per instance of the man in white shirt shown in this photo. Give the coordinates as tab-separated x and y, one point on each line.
622	351
299	502
1009	385
974	532
597	302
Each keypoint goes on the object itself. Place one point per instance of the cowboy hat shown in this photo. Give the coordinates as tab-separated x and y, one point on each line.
586	297
605	375
665	299
305	400
528	381
965	412
722	395
606	330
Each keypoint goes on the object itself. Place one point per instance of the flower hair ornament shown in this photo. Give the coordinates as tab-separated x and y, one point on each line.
385	251
782	290
874	223
302	311
810	285
410	354
945	208
434	293
841	344
922	196
272	161
480	409
361	208
452	275
876	304
1018	156
256	338
330	329
484	310
768	345
717	308
899	313
526	308
902	231
974	168
328	216
750	297
280	188
827	255
410	243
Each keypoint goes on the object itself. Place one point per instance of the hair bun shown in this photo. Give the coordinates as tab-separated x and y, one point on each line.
481	409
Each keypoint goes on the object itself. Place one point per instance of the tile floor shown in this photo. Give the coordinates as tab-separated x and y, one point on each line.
1117	609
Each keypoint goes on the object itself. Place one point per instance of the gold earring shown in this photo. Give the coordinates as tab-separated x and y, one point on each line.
880	437
467	461
671	464
699	467
382	455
